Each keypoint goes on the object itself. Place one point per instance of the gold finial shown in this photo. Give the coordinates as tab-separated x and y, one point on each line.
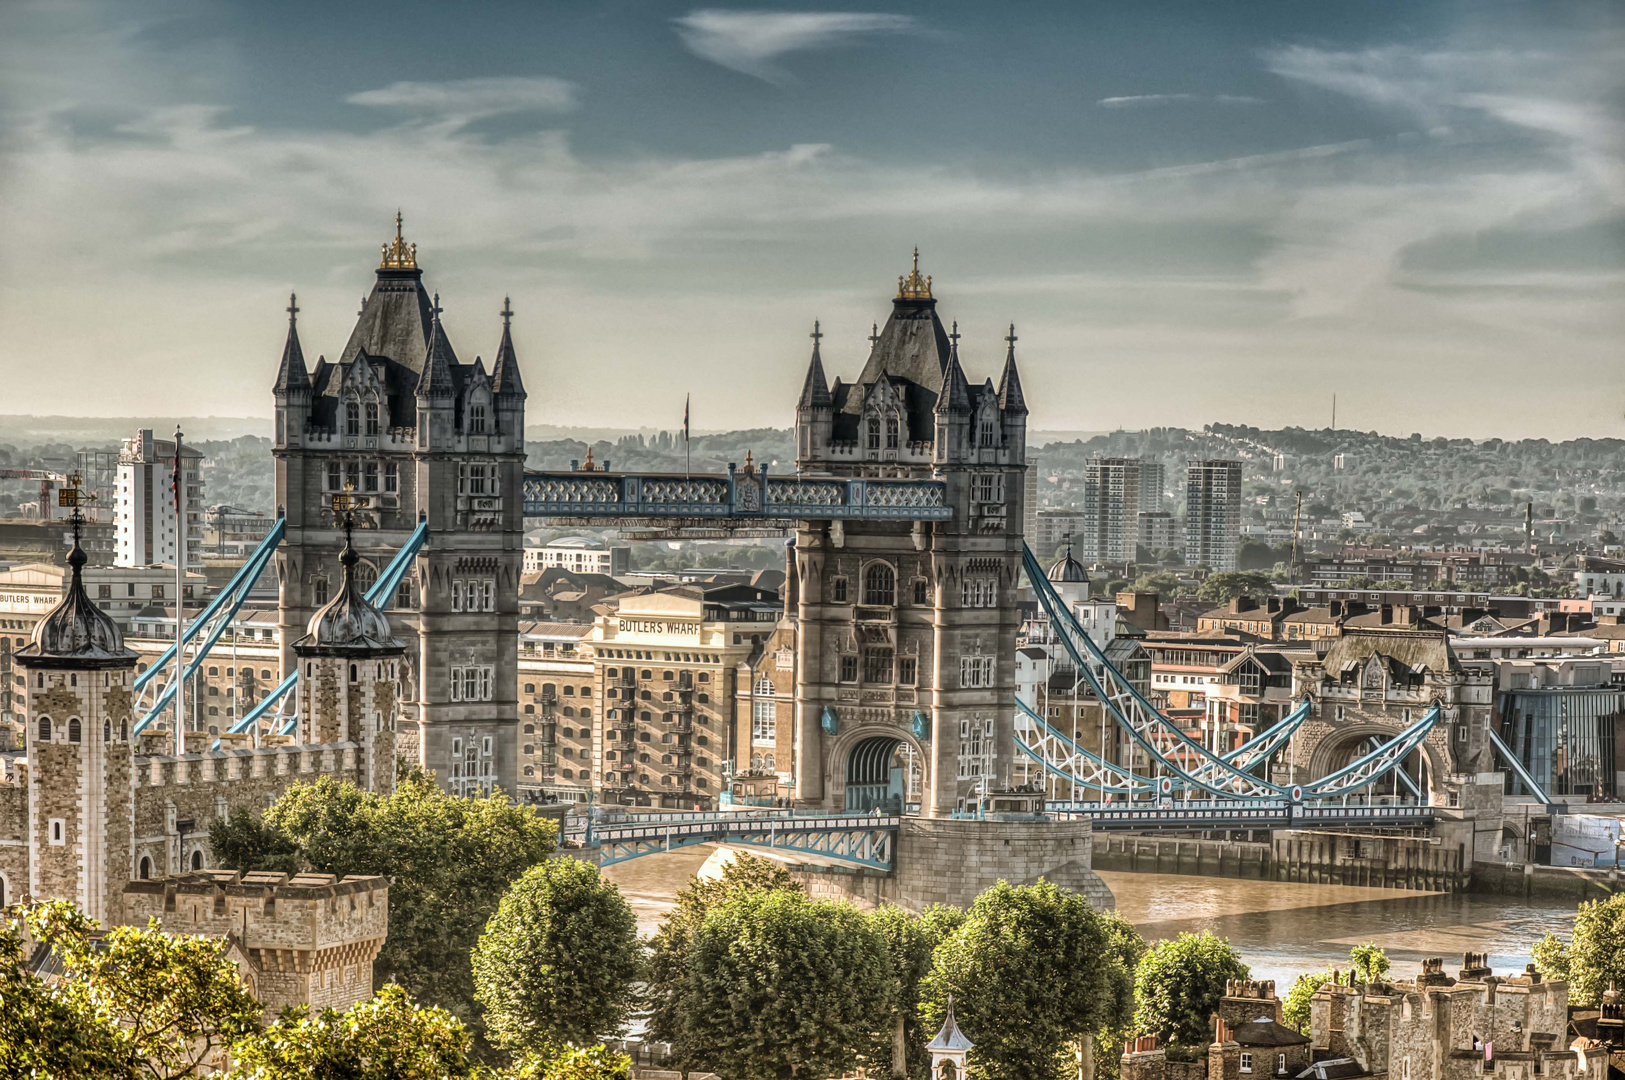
914	287
588	466
750	465
399	255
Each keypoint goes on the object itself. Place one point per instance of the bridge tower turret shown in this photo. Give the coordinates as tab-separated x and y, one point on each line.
905	673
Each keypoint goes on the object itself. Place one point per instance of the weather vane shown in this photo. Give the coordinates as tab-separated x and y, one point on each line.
75	497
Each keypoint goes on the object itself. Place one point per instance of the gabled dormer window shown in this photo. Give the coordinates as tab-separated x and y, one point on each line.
476	419
352	418
990	434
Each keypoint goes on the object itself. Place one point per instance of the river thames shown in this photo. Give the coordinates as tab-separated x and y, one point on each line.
1279	928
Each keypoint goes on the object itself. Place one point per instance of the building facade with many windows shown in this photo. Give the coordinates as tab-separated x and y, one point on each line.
1212	514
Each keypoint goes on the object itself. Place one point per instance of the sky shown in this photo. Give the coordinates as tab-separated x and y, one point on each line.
1191	211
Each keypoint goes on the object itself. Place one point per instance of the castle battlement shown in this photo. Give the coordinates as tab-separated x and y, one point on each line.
229	766
297	938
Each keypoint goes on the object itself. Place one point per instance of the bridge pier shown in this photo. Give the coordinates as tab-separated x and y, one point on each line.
951	861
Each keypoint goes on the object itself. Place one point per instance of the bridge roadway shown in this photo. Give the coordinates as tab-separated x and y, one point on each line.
870	840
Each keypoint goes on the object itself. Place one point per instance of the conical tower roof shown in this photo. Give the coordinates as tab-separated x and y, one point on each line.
349	624
505	377
949	1038
436	380
1011	399
291	375
815	392
955	396
76	633
397	318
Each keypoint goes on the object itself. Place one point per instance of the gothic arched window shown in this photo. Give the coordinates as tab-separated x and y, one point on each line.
352	418
879	585
372	418
892	433
874	434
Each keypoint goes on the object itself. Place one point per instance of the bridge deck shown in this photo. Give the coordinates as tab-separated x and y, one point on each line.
735	501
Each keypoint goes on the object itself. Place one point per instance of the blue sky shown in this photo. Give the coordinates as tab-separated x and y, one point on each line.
1191	211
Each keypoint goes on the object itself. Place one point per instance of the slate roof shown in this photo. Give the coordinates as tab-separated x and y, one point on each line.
1415	649
1265	1031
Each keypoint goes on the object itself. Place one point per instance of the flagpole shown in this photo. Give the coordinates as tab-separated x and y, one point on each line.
177	481
688	449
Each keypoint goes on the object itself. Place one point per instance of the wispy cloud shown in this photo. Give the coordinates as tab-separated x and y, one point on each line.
464	100
1134	100
749	41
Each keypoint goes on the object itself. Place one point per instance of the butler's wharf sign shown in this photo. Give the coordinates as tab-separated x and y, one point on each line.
678	628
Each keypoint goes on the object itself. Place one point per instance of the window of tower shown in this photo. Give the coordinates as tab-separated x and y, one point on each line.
392	478
372	419
335	476
352	418
352	475
318	591
837	590
874	434
879	585
369	474
45	729
989	433
476	419
922	591
892	433
146	868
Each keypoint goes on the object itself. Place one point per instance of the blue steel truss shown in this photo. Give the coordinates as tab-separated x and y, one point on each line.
214	621
857	839
381	595
1521	771
1228	776
739	499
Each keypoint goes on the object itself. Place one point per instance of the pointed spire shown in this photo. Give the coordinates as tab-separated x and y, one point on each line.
436	380
505	372
291	375
815	392
955	396
1011	399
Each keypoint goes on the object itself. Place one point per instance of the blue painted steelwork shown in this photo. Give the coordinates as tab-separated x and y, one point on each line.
1364	771
737	499
1519	769
213	622
1240	814
1060	757
381	595
234	593
857	839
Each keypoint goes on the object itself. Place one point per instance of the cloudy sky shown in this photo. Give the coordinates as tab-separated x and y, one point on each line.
1191	211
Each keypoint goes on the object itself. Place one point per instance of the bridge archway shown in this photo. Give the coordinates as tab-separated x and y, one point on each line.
1346	745
876	767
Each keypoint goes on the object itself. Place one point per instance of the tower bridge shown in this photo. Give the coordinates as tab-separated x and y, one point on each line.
905	507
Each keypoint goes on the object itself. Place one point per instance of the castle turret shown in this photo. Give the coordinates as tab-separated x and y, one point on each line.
292	388
507	383
815	412
436	392
349	686
79	705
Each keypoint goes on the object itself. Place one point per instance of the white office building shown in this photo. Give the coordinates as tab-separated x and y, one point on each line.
144	509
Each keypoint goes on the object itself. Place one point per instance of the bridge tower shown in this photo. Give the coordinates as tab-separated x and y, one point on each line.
907	630
412	433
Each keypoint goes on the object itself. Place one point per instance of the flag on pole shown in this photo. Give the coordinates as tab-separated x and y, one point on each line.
175	481
685	417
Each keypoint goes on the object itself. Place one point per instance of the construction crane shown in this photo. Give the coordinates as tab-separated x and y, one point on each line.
46	478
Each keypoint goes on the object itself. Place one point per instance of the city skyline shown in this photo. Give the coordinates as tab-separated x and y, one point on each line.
1191	214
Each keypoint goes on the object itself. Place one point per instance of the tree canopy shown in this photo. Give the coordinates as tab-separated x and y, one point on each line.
388	1037
449	860
1594	956
781	986
911	940
1179	983
1032	969
1221	588
557	961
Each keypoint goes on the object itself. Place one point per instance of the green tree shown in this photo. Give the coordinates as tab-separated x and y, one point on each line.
1032	970
1179	983
1552	956
557	961
157	1004
911	940
669	951
46	1034
1221	588
449	860
387	1037
574	1063
782	986
1370	963
245	839
1594	957
1295	1007
1129	948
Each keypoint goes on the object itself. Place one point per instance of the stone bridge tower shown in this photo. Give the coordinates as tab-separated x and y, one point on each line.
905	673
415	435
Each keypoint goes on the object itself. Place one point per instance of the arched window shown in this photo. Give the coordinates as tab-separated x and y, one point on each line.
73	730
124	731
372	419
366	575
45	729
764	687
197	859
352	418
874	433
879	585
891	433
107	731
146	868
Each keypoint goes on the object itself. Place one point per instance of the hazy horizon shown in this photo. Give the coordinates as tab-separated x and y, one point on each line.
1189	211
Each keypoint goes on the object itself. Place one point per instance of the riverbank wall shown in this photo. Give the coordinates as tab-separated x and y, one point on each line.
1423	863
1547	882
